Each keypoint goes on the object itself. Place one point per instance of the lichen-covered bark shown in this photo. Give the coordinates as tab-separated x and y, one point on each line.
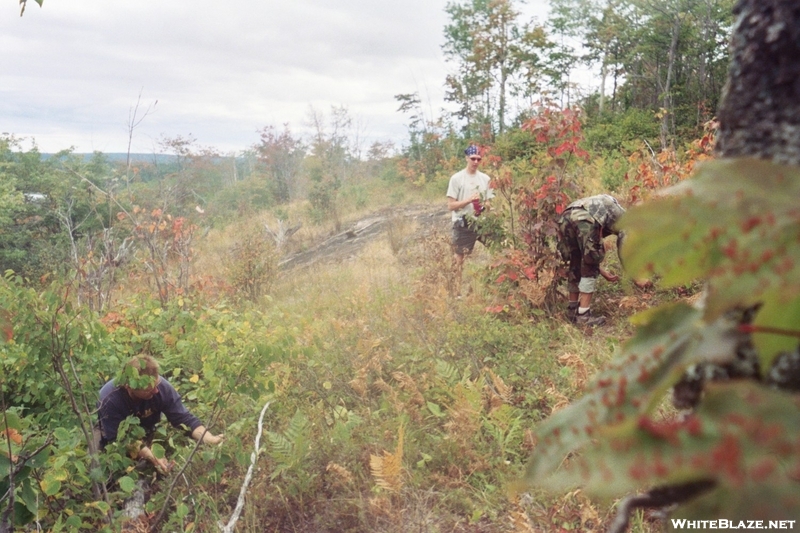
759	114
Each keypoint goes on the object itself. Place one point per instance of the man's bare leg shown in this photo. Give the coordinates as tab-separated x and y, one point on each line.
458	270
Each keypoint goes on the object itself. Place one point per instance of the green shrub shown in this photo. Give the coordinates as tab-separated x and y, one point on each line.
617	131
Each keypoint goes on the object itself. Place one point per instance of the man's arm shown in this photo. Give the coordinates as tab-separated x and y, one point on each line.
201	434
161	465
455	205
603	272
178	414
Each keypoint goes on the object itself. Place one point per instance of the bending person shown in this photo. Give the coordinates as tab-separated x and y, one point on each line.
151	397
581	229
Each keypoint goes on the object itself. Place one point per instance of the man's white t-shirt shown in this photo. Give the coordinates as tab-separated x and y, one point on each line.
463	185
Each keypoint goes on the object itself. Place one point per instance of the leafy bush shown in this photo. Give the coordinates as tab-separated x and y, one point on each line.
247	196
622	131
525	274
613	171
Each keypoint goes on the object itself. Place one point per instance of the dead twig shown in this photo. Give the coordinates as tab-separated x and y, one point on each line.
253	456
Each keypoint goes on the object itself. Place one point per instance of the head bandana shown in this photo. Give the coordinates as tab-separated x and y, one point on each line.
471	150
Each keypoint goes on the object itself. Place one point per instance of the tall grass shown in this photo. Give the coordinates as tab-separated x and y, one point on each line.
385	347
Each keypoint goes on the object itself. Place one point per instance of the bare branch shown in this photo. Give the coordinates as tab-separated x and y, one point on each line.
133	121
253	456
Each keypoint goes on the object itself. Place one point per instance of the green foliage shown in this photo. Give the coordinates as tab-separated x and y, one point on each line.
57	357
496	56
244	197
55	229
612	170
355	194
20	456
738	232
434	148
623	131
29	228
724	225
290	448
322	195
516	144
48	334
130	376
54	357
281	155
668	59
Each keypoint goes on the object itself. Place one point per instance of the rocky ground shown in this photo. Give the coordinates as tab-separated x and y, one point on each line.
350	241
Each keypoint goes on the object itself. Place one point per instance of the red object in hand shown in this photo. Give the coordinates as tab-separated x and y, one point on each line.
476	205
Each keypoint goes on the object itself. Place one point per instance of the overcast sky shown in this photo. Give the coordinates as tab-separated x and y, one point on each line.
71	71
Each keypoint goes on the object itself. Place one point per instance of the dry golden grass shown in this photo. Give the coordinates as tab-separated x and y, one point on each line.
211	249
398	232
581	370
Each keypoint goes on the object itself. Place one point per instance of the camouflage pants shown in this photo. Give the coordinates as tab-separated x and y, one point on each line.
580	244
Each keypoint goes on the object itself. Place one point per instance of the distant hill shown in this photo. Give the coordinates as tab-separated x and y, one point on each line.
122	157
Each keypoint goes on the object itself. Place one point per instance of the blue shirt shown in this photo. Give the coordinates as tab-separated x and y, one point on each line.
116	405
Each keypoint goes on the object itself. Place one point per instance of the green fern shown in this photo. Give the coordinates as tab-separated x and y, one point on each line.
447	371
290	448
505	428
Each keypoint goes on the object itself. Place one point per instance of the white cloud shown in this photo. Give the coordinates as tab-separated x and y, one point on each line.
71	71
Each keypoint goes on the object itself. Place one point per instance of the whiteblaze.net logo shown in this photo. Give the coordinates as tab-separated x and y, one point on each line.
680	523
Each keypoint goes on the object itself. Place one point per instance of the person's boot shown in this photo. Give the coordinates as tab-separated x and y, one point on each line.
572	311
588	319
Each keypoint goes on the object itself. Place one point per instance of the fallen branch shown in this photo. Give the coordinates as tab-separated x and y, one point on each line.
253	456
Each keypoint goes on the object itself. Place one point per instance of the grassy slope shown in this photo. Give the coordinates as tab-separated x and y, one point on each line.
385	355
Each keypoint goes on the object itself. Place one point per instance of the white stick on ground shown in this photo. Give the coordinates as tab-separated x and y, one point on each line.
253	456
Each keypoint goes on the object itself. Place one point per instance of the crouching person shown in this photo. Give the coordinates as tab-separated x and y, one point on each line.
146	395
581	229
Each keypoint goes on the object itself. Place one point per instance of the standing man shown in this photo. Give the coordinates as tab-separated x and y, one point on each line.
146	395
467	194
581	229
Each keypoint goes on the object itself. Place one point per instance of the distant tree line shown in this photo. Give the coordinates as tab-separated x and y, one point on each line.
52	206
659	68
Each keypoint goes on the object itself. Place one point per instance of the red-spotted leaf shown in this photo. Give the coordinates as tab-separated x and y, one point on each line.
737	439
669	339
736	224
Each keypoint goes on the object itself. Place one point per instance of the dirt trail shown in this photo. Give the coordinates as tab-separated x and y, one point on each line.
350	241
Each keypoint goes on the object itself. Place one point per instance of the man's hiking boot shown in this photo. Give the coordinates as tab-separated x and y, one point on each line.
588	319
572	311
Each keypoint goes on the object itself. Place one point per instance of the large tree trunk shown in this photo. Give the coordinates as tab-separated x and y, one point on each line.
759	114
